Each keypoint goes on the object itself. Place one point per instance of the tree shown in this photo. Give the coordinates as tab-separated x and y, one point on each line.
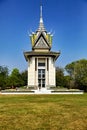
60	77
3	76
15	78
24	77
68	81
78	72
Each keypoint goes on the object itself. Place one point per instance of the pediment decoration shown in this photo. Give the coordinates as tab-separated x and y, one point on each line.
41	43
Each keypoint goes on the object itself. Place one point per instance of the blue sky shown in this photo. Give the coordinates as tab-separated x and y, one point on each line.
66	18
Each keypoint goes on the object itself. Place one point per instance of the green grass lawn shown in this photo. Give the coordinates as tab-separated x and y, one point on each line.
43	112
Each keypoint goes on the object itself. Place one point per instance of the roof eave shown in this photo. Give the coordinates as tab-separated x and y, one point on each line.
31	53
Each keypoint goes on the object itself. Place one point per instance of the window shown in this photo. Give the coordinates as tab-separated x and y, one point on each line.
41	77
41	64
41	73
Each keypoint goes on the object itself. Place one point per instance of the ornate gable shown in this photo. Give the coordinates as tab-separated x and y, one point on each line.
41	43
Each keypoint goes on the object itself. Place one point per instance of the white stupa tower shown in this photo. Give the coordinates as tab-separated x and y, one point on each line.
41	60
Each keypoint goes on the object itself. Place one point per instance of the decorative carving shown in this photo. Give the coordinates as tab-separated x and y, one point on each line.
41	43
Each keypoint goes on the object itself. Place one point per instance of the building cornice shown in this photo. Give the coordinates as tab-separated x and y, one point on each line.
46	54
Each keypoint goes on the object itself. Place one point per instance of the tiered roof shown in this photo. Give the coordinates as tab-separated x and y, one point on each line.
41	42
41	33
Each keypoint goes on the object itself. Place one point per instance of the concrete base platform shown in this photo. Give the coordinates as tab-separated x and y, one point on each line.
42	91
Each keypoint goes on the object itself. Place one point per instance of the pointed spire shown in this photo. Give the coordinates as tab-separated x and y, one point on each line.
41	11
41	18
41	24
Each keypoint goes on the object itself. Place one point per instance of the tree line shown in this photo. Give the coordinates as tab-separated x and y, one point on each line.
76	77
13	80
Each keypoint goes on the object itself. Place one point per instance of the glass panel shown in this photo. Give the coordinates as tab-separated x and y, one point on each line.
39	71
43	82
43	71
39	76
41	64
39	83
43	75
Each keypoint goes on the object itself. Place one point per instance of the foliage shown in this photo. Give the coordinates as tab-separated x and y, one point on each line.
3	76
15	79
78	73
67	81
24	77
60	77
